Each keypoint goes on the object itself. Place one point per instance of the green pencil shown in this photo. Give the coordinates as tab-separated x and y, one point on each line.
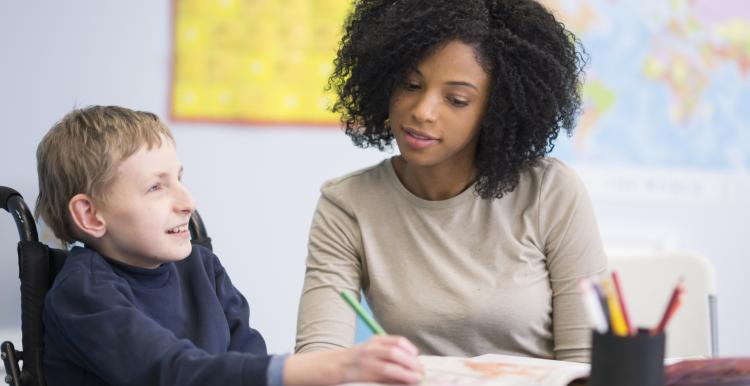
369	321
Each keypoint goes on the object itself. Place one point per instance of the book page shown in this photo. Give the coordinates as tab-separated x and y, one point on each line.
498	370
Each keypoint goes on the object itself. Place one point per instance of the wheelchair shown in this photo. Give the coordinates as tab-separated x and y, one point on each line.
38	264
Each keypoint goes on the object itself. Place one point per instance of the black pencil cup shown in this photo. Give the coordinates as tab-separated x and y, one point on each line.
627	360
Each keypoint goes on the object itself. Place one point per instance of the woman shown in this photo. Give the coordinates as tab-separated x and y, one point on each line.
470	241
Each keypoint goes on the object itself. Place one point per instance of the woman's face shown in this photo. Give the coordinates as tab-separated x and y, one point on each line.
435	115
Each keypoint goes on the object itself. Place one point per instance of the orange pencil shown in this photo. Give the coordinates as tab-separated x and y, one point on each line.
674	303
618	291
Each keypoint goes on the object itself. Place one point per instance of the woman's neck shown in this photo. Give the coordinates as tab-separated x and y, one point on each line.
435	183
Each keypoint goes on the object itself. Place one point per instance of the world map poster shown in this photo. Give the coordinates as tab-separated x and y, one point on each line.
667	83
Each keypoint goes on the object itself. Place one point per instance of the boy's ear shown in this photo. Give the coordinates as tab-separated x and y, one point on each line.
86	216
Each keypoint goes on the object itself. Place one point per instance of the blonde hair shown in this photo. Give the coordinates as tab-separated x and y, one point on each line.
81	153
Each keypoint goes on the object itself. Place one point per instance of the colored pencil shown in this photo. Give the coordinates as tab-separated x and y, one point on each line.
675	301
369	321
593	306
623	306
615	312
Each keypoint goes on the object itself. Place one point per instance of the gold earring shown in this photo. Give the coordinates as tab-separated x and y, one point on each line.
387	123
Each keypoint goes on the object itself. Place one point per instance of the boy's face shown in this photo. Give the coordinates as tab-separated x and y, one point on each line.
147	211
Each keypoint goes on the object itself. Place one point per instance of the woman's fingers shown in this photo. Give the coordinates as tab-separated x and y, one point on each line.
399	341
388	359
395	373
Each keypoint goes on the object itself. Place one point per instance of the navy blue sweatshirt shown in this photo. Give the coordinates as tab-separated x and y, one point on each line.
183	323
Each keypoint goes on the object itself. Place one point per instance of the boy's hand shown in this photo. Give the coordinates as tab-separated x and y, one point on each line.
390	359
384	359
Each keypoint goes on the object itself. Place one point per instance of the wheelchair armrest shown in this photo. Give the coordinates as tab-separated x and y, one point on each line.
10	360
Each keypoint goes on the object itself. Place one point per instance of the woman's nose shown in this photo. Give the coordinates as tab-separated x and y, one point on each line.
425	109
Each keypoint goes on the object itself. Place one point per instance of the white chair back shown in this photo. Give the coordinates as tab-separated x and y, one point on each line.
648	280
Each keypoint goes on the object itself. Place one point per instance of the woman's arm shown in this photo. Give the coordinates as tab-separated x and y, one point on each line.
325	321
574	250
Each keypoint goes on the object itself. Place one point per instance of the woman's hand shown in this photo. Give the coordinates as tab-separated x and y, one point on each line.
385	359
390	359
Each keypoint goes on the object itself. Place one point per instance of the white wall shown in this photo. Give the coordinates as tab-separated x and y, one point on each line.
256	188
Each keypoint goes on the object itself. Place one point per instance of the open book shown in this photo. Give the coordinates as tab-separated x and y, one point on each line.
499	370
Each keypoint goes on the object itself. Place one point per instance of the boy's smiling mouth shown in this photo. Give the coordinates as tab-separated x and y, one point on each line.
178	229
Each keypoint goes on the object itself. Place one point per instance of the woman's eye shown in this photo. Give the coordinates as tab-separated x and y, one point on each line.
412	86
458	102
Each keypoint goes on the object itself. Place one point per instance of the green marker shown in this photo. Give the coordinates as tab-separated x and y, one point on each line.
369	321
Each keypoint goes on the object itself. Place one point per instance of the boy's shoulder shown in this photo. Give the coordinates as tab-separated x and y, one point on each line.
85	276
86	261
200	258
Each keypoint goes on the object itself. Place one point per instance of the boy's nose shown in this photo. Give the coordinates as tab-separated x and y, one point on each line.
184	201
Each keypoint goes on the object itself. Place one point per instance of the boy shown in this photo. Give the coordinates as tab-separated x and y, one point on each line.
137	304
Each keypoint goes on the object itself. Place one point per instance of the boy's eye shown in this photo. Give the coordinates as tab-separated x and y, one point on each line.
154	188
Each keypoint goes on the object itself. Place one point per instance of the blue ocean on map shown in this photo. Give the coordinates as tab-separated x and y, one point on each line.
667	83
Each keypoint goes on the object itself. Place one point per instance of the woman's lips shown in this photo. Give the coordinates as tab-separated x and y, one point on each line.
418	140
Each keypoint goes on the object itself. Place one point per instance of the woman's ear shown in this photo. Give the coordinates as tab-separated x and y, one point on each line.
86	217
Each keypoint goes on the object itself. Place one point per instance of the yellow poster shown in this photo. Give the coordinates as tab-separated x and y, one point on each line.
255	61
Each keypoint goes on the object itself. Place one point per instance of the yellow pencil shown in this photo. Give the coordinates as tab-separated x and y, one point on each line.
619	327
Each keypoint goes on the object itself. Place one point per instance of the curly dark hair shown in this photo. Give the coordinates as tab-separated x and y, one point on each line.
535	65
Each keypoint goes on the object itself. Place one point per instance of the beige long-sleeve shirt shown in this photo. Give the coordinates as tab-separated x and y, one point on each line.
464	276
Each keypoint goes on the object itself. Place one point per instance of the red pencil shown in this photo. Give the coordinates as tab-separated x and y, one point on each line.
674	303
625	315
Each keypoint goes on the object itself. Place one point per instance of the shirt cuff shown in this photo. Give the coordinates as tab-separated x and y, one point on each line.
275	372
